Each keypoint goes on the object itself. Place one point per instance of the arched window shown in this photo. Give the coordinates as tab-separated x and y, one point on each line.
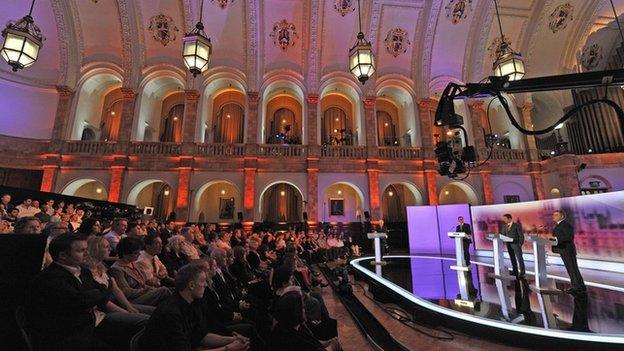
337	128
284	128
111	118
229	122
386	130
171	130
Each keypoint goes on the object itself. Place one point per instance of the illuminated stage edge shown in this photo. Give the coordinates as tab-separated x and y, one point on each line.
489	328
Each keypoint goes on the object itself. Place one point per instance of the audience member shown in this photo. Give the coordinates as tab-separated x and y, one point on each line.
149	264
28	225
118	231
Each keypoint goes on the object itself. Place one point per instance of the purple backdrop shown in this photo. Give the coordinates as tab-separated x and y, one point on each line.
447	222
428	227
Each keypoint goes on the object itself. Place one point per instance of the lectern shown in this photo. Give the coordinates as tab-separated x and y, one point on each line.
539	256
462	265
500	267
377	245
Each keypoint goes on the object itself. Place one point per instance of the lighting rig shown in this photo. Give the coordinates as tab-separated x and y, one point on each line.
452	163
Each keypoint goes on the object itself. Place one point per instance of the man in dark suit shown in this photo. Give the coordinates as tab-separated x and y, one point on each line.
513	230
61	300
465	228
564	233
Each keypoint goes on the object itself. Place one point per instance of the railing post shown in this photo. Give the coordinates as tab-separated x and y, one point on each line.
128	101
191	97
370	126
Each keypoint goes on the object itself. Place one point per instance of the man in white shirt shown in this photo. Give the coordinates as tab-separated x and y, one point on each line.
118	231
149	264
26	209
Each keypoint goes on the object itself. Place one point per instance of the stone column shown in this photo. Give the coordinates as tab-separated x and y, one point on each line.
529	140
370	127
373	191
128	100
191	98
312	196
49	178
63	110
182	197
249	194
488	193
116	183
538	185
568	175
252	118
477	117
432	186
313	145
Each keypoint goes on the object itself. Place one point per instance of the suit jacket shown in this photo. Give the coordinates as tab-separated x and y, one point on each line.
60	308
253	258
564	232
464	228
130	281
515	232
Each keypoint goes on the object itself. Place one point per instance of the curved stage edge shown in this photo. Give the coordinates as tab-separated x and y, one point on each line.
496	330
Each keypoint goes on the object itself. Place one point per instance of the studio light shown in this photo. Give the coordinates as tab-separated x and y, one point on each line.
22	42
361	58
508	63
197	47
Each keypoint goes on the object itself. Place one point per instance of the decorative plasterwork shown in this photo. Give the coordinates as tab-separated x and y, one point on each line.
163	28
591	57
495	47
560	17
251	35
284	34
62	32
457	10
344	7
133	50
222	3
421	61
397	41
313	57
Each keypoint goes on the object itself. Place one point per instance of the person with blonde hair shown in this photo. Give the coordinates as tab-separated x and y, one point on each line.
174	258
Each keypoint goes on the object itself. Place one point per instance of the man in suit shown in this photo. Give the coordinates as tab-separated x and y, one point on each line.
513	230
564	233
61	301
465	228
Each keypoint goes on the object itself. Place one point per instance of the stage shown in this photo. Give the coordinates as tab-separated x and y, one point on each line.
506	311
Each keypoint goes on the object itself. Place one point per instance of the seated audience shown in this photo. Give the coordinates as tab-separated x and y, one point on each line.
129	277
179	322
173	258
188	247
89	226
26	209
149	264
28	225
118	231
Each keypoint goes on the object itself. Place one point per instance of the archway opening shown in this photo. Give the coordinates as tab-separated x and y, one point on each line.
87	188
342	202
457	193
394	200
282	203
218	202
337	123
228	122
155	194
284	123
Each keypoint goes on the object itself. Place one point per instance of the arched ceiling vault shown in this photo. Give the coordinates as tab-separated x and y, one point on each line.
420	40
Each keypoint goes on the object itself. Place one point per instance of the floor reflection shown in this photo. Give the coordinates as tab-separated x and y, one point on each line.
476	292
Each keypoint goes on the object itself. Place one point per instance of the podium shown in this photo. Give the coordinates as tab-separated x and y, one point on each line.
462	265
539	256
376	237
501	270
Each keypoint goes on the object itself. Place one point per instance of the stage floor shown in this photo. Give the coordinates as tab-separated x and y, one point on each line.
512	306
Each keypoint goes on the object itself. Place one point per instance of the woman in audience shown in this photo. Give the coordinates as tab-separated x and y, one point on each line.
98	252
129	277
90	226
173	257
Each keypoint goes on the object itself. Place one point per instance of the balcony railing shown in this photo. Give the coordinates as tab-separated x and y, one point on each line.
508	154
154	148
343	151
271	150
220	149
89	147
399	153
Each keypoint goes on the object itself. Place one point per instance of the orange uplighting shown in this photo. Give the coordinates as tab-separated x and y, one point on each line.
48	178
116	181
249	194
184	178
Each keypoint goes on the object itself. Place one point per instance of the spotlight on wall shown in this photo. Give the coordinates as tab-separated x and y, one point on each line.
166	192
386	124
446	192
337	119
175	118
98	190
390	193
222	192
282	193
228	116
339	192
590	150
112	113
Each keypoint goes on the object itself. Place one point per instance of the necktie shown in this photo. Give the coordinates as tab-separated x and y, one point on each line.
155	266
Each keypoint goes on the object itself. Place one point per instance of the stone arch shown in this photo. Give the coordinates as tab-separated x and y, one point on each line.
284	83
391	198
233	191
90	188
399	92
458	192
155	193
220	80
353	202
344	86
263	193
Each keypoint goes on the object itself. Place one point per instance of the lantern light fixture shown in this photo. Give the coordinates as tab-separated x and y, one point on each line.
197	47
508	63
361	58
22	42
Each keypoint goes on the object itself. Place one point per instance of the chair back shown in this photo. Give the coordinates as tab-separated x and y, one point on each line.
134	342
22	324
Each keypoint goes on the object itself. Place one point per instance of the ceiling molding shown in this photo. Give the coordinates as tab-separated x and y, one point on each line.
252	29
586	19
422	54
313	57
132	50
476	49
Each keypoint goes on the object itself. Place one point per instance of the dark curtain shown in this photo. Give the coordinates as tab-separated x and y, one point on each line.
278	125
283	208
111	120
394	205
172	125
386	135
335	121
228	126
160	201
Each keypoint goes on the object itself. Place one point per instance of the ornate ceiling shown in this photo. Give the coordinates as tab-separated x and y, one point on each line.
424	43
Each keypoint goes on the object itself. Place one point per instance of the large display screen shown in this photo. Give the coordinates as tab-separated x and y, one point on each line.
598	222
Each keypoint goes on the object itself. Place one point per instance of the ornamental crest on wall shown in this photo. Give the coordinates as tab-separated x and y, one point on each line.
284	34
396	41
222	3
163	29
591	57
457	10
343	7
560	17
495	47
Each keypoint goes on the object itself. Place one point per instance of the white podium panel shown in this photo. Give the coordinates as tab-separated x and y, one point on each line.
501	270
376	237
539	253
462	265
